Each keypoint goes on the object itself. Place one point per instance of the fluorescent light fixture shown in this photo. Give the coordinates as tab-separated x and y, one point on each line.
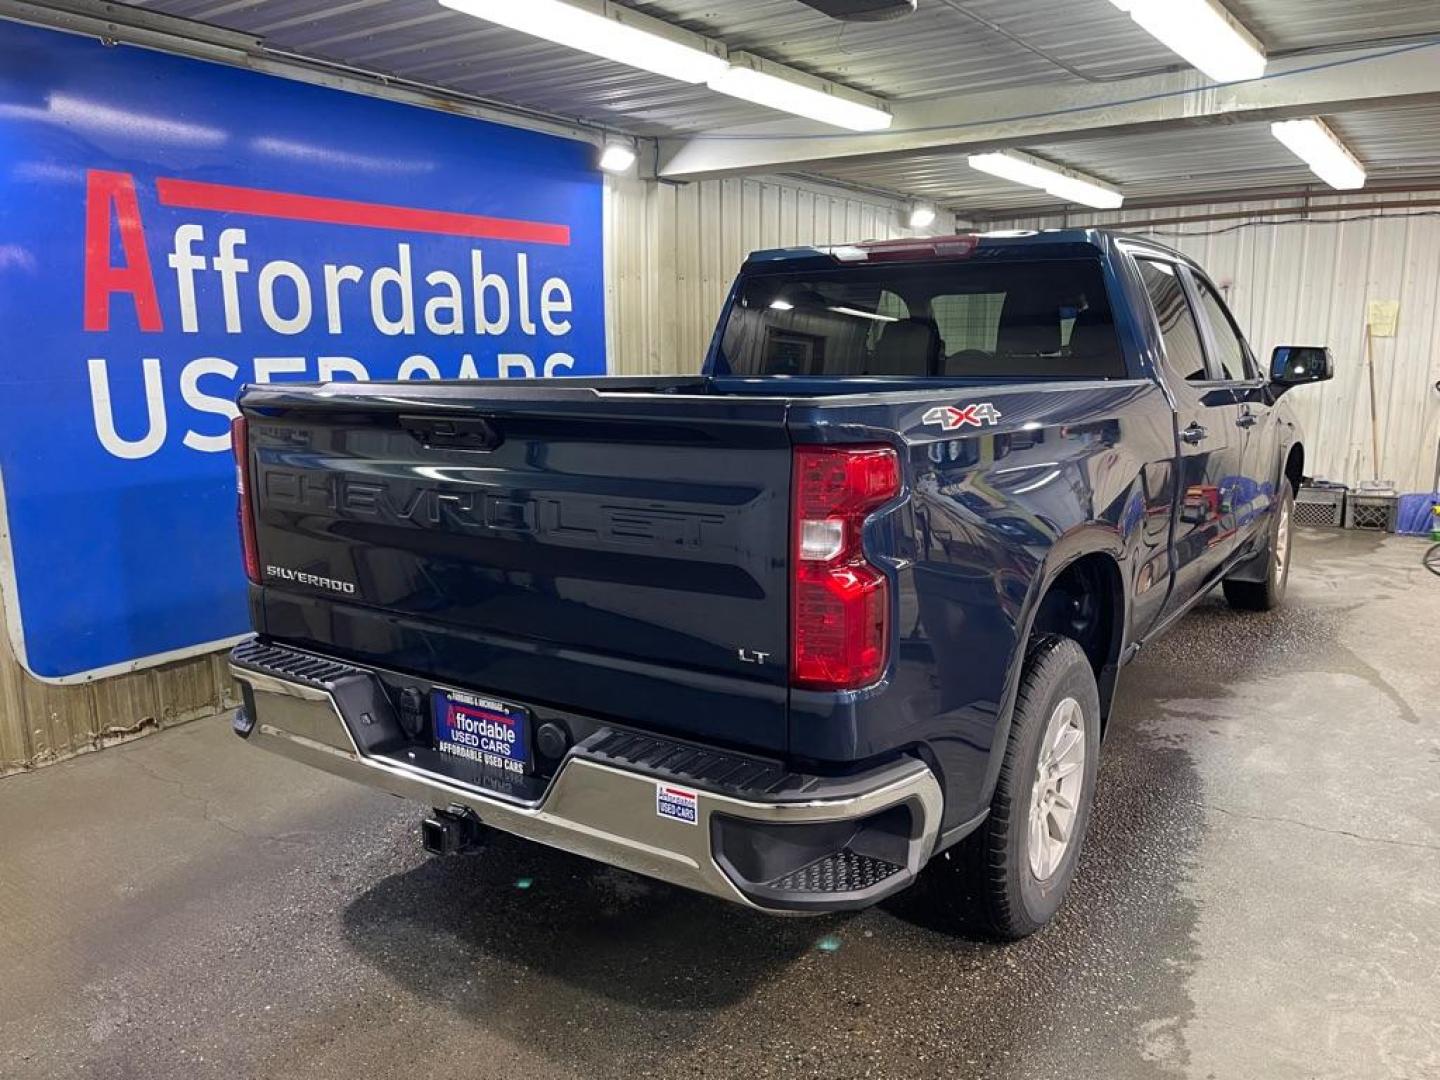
755	80
1063	183
857	313
781	305
630	37
1203	33
605	30
617	157
1315	144
922	216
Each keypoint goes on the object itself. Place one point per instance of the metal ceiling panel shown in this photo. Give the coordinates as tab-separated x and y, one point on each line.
1287	25
946	47
1394	144
422	41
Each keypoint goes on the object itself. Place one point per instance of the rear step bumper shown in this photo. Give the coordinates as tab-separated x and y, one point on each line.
762	837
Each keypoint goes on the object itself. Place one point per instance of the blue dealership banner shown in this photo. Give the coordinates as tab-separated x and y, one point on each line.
171	229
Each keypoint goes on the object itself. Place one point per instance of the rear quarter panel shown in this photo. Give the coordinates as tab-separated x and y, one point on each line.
994	514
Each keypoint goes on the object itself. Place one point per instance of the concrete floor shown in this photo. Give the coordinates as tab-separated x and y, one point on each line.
1260	897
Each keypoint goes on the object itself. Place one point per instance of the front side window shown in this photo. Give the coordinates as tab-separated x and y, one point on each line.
982	318
1229	346
1179	332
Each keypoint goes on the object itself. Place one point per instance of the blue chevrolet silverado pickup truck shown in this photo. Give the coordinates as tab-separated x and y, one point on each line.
844	612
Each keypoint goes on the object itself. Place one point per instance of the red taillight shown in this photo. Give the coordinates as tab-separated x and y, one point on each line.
240	446
839	601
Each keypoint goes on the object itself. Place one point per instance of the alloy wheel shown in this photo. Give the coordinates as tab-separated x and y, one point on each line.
1055	795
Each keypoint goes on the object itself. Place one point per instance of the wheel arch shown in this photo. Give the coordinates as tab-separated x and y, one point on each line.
1093	554
1084	597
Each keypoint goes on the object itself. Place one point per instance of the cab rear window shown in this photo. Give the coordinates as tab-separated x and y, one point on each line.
960	319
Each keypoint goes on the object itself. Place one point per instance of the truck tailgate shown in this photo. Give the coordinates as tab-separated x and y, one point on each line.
617	554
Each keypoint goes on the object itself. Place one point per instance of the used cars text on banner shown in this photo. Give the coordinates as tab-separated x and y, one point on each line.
171	229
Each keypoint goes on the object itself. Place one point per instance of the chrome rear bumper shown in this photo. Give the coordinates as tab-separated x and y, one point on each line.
602	809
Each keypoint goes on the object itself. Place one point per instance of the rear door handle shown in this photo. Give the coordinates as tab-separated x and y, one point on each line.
1247	419
1193	434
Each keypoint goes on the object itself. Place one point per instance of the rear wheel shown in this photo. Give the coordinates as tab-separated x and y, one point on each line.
1267	594
1011	875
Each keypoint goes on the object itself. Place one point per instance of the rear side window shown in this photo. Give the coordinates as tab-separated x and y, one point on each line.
1184	357
983	318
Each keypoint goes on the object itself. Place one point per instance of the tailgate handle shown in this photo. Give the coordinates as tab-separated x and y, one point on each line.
453	432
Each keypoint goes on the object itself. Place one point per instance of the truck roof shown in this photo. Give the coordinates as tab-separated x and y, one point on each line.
957	246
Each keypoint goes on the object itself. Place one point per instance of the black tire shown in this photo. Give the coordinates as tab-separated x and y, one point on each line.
1279	554
1432	559
988	879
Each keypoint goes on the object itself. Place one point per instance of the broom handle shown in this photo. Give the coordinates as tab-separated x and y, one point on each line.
1374	422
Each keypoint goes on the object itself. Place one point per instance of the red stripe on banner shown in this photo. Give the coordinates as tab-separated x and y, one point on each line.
197	195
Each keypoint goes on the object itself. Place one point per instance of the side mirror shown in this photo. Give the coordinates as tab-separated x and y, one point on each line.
1292	365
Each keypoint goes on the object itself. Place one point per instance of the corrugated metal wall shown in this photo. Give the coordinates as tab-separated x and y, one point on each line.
40	723
1307	279
673	250
670	253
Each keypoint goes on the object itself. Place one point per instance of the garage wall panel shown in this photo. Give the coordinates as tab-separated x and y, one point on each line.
1306	278
674	250
41	723
15	742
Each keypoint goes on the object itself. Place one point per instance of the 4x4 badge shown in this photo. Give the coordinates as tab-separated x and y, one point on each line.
950	417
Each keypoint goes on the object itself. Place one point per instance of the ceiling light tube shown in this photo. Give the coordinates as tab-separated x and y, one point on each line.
762	83
873	316
1312	141
1203	34
605	30
1066	184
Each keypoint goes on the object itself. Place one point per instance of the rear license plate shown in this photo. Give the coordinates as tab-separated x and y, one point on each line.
482	730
